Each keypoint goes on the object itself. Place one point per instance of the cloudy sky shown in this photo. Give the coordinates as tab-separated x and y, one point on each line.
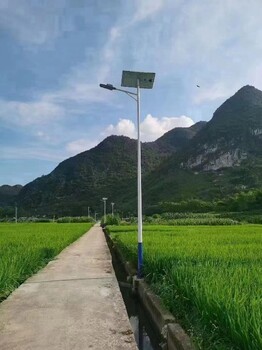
54	54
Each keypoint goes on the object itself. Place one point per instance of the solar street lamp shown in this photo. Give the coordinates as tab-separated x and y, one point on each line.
136	80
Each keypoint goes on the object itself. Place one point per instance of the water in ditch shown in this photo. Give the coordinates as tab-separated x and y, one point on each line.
145	335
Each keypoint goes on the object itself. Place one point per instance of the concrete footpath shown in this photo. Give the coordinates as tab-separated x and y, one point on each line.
74	303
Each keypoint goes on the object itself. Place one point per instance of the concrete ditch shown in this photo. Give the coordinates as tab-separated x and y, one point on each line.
172	334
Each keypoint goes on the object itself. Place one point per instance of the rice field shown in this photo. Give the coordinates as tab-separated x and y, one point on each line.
25	248
209	277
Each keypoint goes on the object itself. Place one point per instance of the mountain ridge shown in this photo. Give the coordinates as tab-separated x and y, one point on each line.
9	193
232	135
207	160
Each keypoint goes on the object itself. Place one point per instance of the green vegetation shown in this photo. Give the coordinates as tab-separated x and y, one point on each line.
249	201
189	219
25	248
109	168
38	219
74	219
209	277
111	220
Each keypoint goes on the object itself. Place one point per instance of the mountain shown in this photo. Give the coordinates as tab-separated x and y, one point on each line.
208	160
107	170
176	139
224	157
83	180
8	193
234	133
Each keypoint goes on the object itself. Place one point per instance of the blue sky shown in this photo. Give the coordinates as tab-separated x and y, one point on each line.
54	54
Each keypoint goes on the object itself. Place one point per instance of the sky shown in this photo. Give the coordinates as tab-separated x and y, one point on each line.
54	55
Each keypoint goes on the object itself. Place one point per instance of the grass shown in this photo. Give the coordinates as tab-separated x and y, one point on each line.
210	277
25	248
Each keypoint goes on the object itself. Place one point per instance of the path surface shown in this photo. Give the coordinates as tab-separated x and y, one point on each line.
74	303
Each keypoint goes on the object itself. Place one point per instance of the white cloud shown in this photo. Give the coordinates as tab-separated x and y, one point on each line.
124	127
48	150
147	8
115	33
199	42
77	92
43	136
31	152
151	127
81	85
79	146
29	113
32	24
204	42
212	93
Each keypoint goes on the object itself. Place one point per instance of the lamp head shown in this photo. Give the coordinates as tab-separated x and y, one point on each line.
107	86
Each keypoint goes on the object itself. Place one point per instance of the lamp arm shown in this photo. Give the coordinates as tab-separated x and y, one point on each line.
127	92
130	95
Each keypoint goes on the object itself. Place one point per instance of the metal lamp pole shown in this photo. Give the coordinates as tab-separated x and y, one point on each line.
112	205
139	192
104	200
136	80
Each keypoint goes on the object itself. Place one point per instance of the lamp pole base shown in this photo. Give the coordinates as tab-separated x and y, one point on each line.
140	260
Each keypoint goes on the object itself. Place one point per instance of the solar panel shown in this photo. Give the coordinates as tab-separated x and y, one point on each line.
129	79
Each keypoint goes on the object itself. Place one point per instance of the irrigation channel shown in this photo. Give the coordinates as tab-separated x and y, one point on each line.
145	335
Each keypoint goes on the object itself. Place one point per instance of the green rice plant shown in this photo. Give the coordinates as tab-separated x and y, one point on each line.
25	248
74	219
203	221
189	219
210	277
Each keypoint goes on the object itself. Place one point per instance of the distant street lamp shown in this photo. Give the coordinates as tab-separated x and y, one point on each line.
104	200
136	80
112	205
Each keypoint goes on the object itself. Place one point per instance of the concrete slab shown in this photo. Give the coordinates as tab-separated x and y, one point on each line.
73	303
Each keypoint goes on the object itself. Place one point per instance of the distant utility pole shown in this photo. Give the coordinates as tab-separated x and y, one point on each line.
104	200
88	212
16	213
112	204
